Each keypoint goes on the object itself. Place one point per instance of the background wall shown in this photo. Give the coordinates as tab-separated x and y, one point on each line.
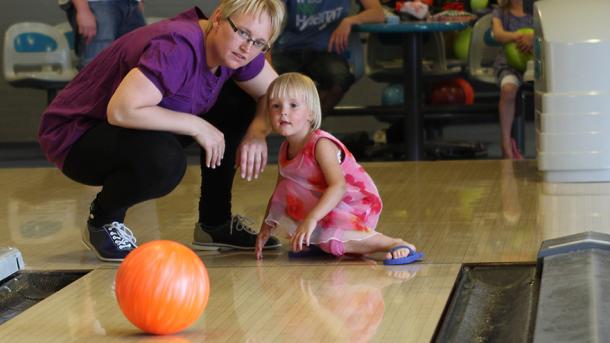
20	108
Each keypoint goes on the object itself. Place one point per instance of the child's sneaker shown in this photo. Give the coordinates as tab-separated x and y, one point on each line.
110	242
237	233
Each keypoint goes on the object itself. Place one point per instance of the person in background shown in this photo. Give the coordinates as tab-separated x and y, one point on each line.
315	43
507	19
97	23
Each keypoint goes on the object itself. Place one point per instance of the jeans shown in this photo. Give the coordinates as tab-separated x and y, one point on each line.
114	18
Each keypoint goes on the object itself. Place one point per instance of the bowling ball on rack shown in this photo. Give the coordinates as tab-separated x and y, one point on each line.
162	287
478	5
461	44
393	95
447	93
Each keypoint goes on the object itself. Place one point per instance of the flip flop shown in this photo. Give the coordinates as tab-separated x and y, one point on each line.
312	251
412	257
516	153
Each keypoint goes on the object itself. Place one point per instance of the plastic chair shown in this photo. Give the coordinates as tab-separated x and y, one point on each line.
66	29
37	55
355	55
482	51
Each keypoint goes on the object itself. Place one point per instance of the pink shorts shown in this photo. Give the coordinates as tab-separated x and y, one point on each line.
333	247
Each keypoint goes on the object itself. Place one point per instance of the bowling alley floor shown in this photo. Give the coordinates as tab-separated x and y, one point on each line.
456	212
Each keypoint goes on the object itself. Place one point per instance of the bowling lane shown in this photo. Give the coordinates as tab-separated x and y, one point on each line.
454	211
338	303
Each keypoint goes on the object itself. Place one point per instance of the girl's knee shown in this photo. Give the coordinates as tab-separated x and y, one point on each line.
508	92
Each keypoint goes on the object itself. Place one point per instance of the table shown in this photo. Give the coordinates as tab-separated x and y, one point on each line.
412	32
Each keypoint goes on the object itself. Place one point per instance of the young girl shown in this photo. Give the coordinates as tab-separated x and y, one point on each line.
322	195
507	19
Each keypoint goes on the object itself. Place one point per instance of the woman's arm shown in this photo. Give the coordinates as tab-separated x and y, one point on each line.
327	157
372	13
252	152
134	105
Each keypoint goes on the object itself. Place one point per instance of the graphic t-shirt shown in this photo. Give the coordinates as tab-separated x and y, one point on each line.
310	23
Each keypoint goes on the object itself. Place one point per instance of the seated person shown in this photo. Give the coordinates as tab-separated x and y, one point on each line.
315	41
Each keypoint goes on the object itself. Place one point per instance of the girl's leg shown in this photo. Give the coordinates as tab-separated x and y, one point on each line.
378	243
508	92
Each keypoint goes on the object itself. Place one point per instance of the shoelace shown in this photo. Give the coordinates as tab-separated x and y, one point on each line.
121	235
241	223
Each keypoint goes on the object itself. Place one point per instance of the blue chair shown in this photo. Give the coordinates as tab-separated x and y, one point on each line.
66	29
37	55
355	55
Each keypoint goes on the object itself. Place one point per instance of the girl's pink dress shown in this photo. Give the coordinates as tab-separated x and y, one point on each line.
301	184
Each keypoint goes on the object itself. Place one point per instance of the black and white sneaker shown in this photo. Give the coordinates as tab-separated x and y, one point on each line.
237	233
110	242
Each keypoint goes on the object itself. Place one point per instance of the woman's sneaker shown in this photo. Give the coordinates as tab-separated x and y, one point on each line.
237	233
110	242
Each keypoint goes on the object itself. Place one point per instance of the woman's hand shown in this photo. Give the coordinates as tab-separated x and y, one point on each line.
252	156
212	141
340	38
303	234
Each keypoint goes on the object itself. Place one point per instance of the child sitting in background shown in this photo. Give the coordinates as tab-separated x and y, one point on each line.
507	19
322	195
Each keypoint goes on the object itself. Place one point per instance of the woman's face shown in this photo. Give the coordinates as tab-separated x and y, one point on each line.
238	36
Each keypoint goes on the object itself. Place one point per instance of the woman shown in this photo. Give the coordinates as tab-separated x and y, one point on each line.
123	121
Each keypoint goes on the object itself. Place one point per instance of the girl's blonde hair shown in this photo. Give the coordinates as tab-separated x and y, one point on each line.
297	85
275	9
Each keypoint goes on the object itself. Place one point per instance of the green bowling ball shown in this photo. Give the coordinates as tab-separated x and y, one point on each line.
515	57
461	44
478	5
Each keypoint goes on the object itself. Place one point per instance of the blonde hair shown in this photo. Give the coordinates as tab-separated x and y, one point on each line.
297	85
275	9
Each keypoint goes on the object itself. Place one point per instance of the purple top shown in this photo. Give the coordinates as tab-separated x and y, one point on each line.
171	53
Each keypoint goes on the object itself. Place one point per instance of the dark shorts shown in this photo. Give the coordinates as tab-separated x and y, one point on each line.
327	69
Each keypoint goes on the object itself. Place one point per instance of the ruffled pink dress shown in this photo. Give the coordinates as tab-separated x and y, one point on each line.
301	185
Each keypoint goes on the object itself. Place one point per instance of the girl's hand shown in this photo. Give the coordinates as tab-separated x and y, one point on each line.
261	239
340	37
525	43
303	234
212	141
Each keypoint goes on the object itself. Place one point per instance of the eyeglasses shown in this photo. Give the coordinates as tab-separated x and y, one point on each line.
245	35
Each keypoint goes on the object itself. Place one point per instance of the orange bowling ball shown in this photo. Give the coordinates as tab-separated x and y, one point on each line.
162	287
